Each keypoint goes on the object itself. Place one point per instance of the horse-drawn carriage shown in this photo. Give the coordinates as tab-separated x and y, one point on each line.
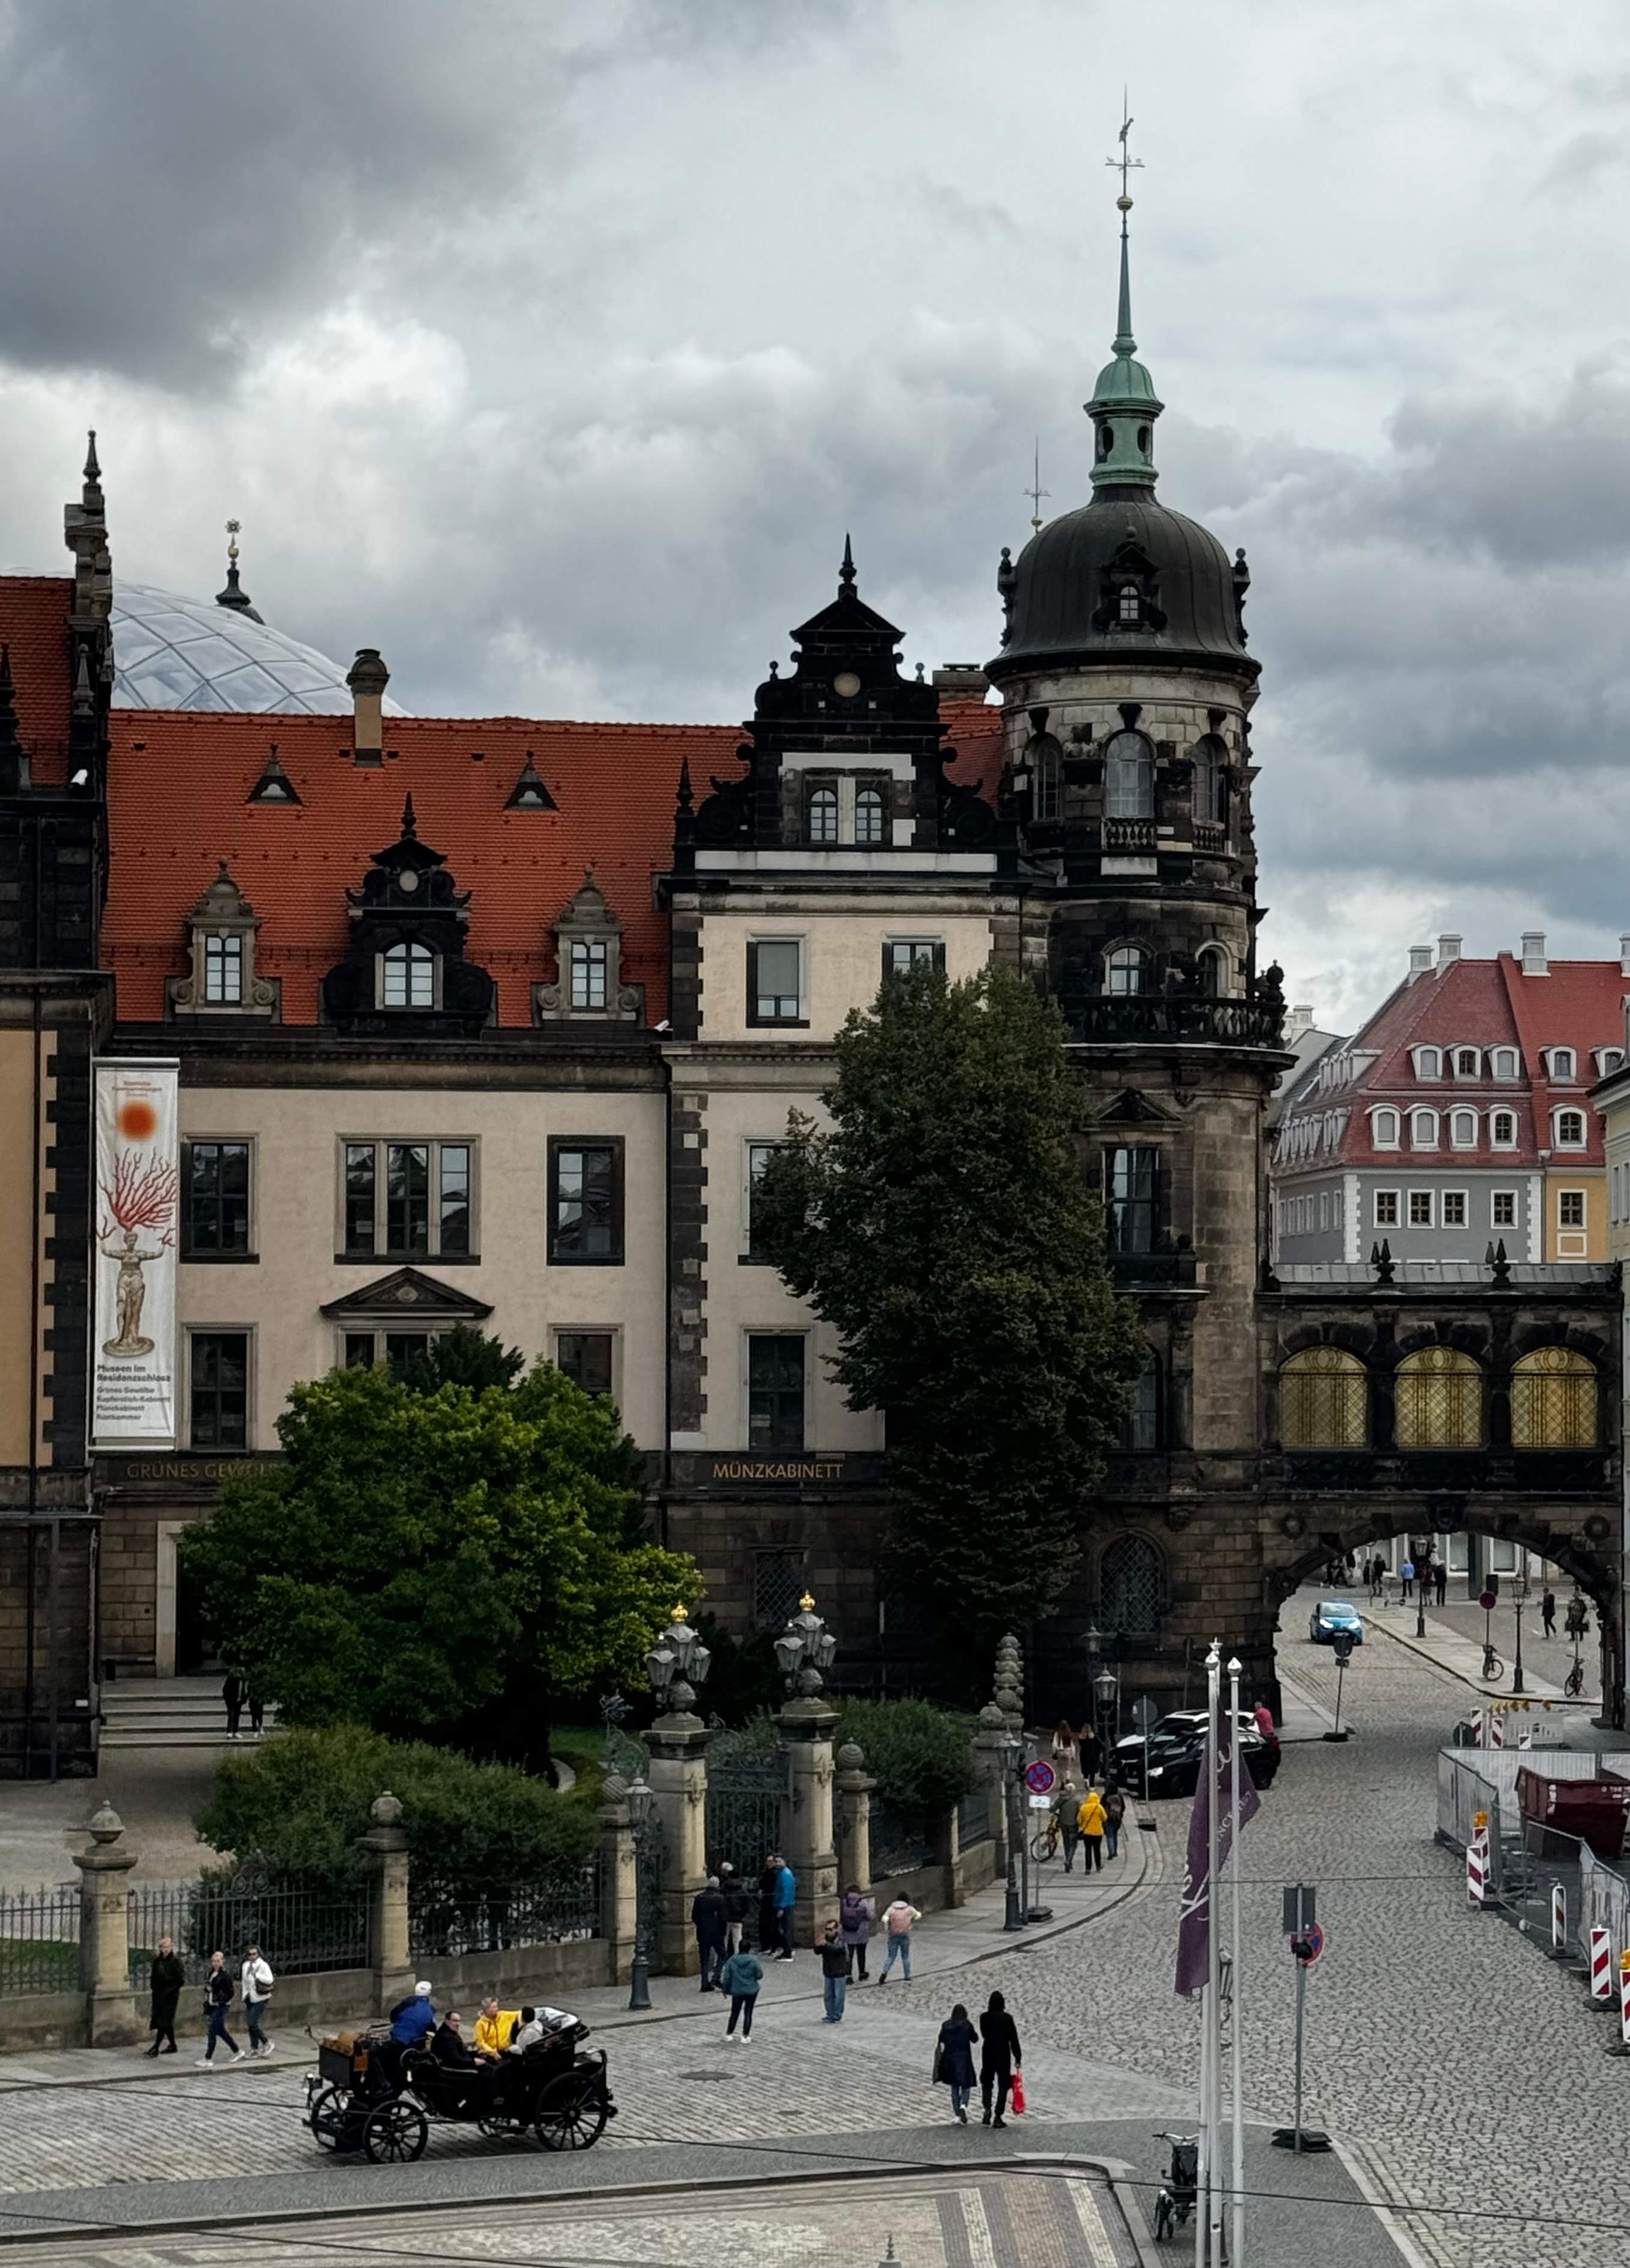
369	2094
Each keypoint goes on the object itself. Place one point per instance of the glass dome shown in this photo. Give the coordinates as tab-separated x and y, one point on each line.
171	653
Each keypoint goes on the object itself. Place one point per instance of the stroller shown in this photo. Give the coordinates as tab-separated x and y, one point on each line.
1174	2201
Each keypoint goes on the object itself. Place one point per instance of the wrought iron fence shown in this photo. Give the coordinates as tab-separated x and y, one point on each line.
899	1841
746	1803
299	1929
446	1919
40	1939
973	1816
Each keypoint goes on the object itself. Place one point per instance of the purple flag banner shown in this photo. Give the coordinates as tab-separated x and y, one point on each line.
1194	1913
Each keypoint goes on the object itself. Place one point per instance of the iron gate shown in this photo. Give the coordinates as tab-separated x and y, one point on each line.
746	1804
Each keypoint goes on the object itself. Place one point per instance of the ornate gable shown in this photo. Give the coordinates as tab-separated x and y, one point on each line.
223	930
405	971
589	948
408	1293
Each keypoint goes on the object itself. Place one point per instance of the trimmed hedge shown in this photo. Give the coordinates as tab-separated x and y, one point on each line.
920	1757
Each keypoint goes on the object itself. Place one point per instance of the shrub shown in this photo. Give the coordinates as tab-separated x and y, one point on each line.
918	1756
297	1804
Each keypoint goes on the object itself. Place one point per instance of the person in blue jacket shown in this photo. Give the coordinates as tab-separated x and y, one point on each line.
785	1894
414	2018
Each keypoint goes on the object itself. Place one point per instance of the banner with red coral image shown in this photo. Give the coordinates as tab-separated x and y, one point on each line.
139	1186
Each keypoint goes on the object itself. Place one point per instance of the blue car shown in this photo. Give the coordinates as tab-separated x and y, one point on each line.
1334	1617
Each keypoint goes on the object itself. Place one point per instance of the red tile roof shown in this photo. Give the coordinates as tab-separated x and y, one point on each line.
34	623
178	781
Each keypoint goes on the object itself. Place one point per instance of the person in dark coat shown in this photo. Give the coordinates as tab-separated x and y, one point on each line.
450	2046
737	1905
234	1693
769	1926
953	2060
999	2051
165	1981
710	1920
1547	1612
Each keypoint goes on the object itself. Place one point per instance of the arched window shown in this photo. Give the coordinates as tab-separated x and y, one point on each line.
1323	1402
1128	778
1047	758
1503	1062
823	815
1428	1063
1214	968
1129	1587
1439	1400
1553	1401
1462	1130
1570	1129
1468	1062
1210	761
224	970
1423	1130
1140	1428
868	815
1126	969
1384	1129
1130	606
408	977
1561	1063
1503	1128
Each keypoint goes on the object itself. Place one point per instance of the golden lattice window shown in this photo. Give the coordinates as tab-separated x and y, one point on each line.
1439	1400
1321	1401
1553	1401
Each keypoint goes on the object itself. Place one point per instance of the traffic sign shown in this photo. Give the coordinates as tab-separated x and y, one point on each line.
1489	1601
1301	1906
1145	1713
1313	1939
1040	1779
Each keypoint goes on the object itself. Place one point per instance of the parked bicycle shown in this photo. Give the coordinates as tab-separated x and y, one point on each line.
1494	1668
1573	1683
1044	1843
1174	2200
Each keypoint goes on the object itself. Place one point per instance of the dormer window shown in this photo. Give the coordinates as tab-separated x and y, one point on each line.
1384	1129
587	958
223	981
1503	1062
1468	1062
1609	1060
1129	607
1561	1063
589	944
1423	1130
407	976
869	817
224	970
1570	1129
1428	1063
823	815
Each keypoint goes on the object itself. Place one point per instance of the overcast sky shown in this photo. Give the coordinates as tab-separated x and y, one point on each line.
554	348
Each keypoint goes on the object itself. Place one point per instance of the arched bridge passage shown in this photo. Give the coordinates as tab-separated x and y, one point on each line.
1585	1547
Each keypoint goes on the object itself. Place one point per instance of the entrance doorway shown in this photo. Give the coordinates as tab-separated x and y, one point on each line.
182	1642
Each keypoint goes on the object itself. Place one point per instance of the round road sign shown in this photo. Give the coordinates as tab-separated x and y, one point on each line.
1489	1601
1040	1779
1313	1937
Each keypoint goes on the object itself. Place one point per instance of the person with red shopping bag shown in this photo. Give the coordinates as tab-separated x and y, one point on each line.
1017	2096
999	2057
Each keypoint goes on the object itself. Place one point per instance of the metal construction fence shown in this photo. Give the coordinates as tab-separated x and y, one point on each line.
299	1929
446	1919
40	1939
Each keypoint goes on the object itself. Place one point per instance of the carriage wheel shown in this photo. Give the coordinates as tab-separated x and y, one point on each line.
571	2111
395	2132
332	2121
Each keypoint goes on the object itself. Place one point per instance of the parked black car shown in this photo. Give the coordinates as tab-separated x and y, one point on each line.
1176	1748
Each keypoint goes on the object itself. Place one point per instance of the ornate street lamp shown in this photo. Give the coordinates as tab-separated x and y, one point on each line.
1519	1600
642	1811
1106	1685
805	1649
1012	1754
676	1665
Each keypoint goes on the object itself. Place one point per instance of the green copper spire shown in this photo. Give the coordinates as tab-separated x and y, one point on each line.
1124	404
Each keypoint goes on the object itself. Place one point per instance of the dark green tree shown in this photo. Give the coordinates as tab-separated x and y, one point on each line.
463	1357
943	1227
448	1561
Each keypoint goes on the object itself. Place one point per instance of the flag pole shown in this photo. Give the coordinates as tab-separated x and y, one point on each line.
1212	2195
1237	2162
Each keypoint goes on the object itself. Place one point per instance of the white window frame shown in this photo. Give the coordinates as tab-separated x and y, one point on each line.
1498	1141
1428	1063
1445	1199
1574	1227
410	946
1500	1059
1495	1196
1556	1057
1461	1116
1417	1116
1476	1054
581	954
1560	1141
1392	1196
1378	1139
1430	1195
1609	1060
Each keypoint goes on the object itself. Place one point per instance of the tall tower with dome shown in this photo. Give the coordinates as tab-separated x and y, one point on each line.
1127	686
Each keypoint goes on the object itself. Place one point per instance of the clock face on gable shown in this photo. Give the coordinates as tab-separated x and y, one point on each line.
845	685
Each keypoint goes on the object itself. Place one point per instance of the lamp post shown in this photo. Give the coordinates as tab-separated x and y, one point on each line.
1423	1576
1012	1751
1106	1686
642	1808
676	1665
804	1650
1519	1600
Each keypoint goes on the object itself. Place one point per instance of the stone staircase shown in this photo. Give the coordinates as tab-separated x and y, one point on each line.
170	1713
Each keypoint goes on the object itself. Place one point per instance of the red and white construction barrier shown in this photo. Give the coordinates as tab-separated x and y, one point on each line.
1601	1965
1487	1728
1624	1999
1476	1862
1559	1918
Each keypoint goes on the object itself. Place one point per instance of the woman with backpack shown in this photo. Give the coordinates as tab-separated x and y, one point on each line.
1114	1812
855	1916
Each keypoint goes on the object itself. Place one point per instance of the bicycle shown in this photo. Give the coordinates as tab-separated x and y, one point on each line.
1494	1668
1044	1843
1573	1683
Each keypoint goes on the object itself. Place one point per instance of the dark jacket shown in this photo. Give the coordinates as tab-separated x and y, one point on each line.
738	1899
708	1916
218	1989
834	1957
742	1975
234	1692
1114	1807
452	2049
999	2034
954	2064
165	1981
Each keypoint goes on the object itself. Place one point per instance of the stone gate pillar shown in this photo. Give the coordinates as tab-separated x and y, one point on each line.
806	1724
619	1879
855	1786
110	2015
678	1780
384	1847
989	1746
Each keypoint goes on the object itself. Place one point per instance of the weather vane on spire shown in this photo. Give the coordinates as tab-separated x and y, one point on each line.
234	528
1125	163
1035	491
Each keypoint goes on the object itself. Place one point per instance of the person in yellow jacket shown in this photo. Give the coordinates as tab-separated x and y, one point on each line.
1089	1819
494	2027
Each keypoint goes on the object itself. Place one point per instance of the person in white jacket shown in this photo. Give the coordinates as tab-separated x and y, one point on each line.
257	1984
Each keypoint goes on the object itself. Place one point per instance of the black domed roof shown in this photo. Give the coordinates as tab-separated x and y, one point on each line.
1060	590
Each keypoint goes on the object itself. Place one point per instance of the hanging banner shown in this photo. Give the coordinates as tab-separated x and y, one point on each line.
137	1231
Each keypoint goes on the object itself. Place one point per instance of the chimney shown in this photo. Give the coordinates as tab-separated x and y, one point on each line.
367	678
961	680
1448	950
1534	962
1301	1020
1419	961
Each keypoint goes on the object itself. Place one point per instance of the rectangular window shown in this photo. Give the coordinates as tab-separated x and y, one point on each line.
401	1347
585	1203
1323	1222
217	1201
1131	1186
1421	1208
759	1155
775	980
409	1200
585	1358
223	971
219	1390
1386	1208
775	1390
1454	1208
777	1586
1570	1208
588	973
1502	1209
900	954
359	1350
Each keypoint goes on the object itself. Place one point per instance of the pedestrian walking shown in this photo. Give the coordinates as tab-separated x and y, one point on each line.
217	2001
786	1894
855	1916
1091	1755
1066	1749
257	1981
233	1693
1578	1623
999	2051
1547	1613
1114	1812
741	1976
896	1920
1066	1804
1090	1821
1407	1578
834	1972
165	1980
737	1905
710	1920
1439	1580
953	2060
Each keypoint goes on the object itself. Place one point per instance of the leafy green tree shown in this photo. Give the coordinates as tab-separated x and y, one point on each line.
445	1562
463	1357
944	1227
921	1757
